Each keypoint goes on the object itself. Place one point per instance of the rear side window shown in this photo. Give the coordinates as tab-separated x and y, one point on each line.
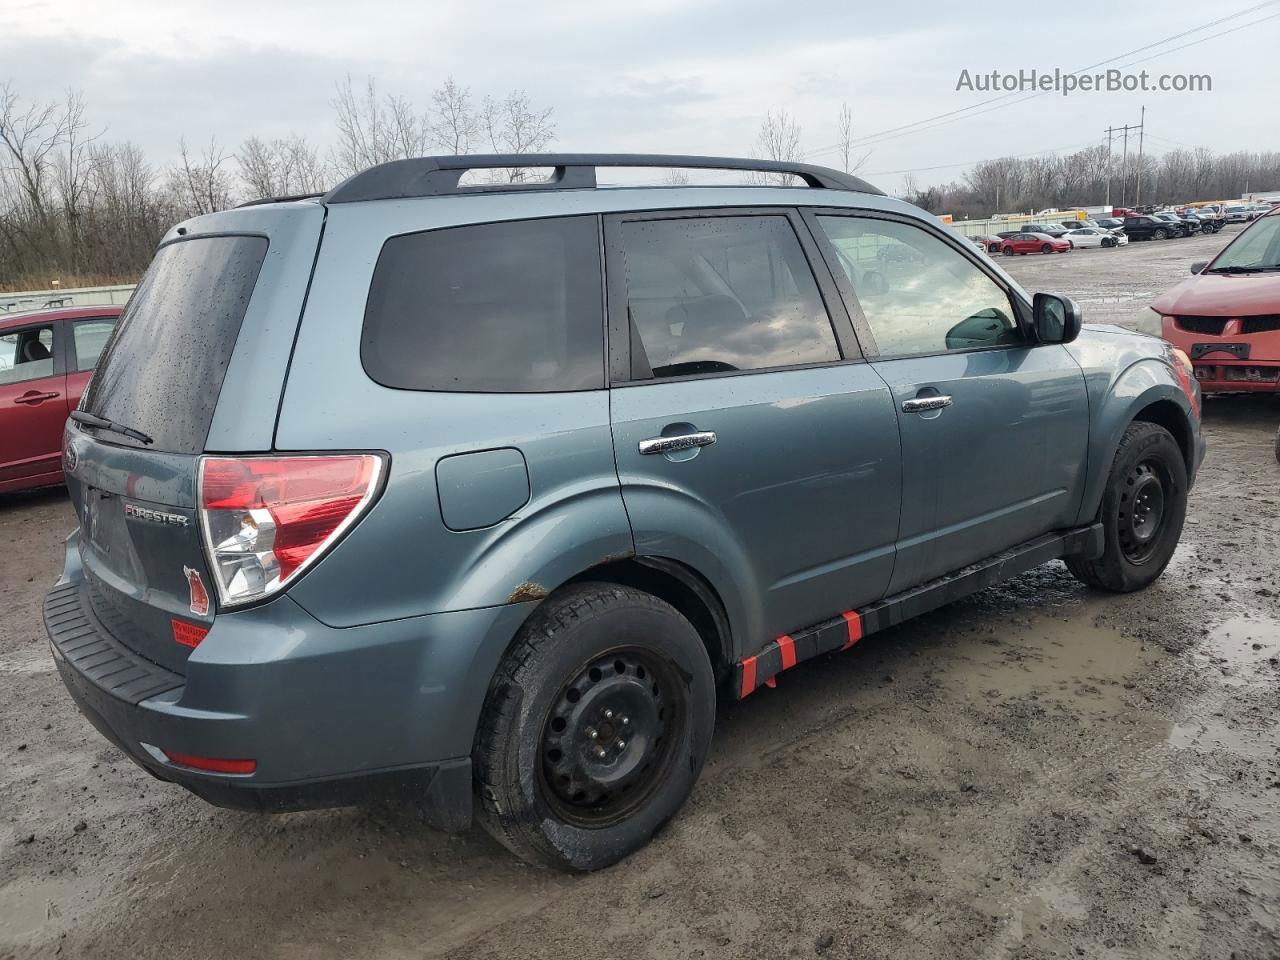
719	294
90	337
162	369
498	307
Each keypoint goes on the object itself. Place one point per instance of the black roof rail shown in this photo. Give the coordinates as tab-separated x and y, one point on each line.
439	176
291	197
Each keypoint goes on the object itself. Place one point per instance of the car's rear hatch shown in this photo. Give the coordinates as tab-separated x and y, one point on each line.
196	364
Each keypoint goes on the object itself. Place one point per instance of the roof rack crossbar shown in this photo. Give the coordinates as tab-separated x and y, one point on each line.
441	176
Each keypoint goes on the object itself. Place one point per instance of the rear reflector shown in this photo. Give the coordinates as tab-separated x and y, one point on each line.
266	519
211	764
188	634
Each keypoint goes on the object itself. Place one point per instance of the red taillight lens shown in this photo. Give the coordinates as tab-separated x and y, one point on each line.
211	764
266	518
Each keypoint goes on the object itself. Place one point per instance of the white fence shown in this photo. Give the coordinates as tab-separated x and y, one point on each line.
71	297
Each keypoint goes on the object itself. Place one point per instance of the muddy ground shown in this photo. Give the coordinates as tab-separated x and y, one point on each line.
1038	771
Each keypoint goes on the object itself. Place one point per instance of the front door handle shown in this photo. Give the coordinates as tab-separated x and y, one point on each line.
921	404
34	397
684	441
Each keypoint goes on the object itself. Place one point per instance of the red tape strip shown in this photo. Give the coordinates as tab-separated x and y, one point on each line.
854	623
788	648
748	676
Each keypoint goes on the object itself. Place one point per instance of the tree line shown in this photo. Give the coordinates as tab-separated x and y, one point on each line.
80	208
1089	177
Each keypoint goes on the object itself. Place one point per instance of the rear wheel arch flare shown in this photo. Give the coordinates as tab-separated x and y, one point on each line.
683	588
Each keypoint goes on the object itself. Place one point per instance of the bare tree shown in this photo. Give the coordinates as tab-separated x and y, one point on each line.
778	139
29	135
844	131
374	129
199	184
514	125
283	167
454	126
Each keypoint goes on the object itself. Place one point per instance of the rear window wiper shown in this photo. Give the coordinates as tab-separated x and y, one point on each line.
102	423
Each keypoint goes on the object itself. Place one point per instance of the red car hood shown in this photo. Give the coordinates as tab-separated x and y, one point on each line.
1222	295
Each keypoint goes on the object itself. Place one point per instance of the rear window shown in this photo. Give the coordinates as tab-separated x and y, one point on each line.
499	307
162	370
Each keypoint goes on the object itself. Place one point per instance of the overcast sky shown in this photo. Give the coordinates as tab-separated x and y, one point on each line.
690	76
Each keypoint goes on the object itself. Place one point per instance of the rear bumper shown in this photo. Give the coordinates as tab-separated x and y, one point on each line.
328	715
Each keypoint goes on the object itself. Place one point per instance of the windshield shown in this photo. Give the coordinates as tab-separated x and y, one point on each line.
1257	248
162	370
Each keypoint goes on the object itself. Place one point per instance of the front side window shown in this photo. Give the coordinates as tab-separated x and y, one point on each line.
497	307
918	294
26	354
721	294
90	337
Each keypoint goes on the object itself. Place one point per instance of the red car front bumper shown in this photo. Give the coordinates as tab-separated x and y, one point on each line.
1225	357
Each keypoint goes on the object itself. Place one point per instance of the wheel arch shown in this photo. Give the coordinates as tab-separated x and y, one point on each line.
678	584
1146	391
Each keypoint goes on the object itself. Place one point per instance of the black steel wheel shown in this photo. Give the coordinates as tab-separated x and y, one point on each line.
608	737
1142	511
595	727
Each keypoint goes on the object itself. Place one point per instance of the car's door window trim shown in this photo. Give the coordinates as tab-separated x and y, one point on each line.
55	348
616	294
870	347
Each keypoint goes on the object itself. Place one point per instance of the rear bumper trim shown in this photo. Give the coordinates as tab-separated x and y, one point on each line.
79	638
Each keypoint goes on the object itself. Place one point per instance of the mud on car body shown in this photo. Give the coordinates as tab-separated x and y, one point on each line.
481	493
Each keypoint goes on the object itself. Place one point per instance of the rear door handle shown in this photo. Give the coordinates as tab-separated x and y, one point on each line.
684	441
36	397
921	404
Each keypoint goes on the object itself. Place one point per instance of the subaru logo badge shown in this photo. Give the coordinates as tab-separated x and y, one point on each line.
69	457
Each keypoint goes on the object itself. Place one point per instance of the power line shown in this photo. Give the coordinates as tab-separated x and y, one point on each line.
967	163
1003	100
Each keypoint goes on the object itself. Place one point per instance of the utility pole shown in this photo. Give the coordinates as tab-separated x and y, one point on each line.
1124	168
1124	162
1142	122
1108	200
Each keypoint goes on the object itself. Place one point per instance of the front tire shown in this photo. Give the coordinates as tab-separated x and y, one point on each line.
1159	235
1143	509
595	727
1045	248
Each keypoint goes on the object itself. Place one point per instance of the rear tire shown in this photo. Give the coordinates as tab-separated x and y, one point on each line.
595	727
1143	509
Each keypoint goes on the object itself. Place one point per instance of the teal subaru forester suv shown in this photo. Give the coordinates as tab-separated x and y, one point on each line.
481	489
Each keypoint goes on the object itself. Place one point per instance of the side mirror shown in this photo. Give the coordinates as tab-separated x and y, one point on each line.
1057	319
1199	266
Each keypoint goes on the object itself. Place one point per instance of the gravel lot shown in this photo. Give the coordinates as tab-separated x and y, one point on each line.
1038	771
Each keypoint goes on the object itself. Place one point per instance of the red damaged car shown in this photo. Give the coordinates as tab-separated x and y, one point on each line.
1226	317
46	359
1033	243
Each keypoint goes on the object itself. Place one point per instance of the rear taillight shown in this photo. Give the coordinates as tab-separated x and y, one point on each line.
266	519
